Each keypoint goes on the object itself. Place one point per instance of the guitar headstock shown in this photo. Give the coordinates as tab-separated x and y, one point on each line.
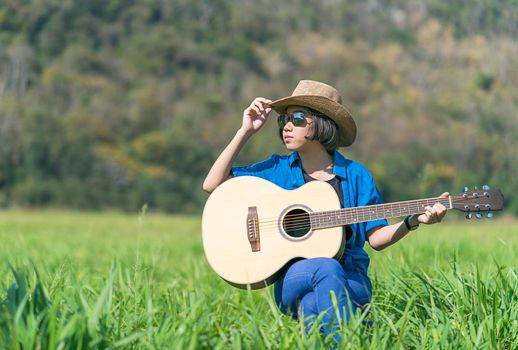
485	200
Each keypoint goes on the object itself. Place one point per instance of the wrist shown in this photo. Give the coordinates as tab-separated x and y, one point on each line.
244	133
411	222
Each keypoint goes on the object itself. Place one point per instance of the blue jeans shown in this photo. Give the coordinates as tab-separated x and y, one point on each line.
305	289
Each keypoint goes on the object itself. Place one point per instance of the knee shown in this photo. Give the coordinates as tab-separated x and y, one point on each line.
328	267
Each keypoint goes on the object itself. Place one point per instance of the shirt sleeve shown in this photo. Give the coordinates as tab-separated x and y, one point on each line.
369	195
264	169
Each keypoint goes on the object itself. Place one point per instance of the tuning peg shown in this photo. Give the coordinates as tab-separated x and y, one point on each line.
489	215
475	188
469	216
486	187
478	215
465	189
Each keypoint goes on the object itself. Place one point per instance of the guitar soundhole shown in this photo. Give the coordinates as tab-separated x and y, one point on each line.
296	223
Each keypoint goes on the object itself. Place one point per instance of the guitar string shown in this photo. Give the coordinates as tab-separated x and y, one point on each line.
293	225
348	211
338	221
273	229
304	224
375	209
301	220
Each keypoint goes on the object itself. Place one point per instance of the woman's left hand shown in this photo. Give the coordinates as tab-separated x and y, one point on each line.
433	214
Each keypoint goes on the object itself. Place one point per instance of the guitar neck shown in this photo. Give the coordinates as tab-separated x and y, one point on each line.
355	215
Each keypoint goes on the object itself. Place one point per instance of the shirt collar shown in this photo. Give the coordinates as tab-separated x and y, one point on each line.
294	157
340	163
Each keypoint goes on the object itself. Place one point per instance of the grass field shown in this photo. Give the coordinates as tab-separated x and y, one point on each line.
108	280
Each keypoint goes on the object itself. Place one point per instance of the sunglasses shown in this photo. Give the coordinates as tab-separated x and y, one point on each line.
296	118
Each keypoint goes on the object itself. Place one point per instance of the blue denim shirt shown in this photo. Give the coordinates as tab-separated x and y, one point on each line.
358	187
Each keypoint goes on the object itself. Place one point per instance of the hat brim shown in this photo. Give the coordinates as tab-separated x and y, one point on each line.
332	109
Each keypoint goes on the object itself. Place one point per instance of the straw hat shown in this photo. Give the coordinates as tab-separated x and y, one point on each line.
325	99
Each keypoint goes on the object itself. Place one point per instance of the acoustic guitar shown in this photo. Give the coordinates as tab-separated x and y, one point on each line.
252	229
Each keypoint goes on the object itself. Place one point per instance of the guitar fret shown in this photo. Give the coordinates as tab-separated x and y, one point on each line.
373	212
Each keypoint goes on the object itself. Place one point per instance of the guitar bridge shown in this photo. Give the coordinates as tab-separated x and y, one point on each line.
252	229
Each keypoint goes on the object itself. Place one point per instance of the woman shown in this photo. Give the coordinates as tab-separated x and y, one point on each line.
313	124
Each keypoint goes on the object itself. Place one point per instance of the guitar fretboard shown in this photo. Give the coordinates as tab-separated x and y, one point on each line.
355	215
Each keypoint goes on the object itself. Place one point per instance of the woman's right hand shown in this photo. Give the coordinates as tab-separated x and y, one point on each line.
254	118
256	115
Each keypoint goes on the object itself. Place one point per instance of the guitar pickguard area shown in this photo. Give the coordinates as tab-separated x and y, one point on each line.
295	222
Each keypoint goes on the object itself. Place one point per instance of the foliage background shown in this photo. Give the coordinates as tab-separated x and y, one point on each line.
118	103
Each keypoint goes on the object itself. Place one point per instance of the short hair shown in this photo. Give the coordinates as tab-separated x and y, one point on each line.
325	131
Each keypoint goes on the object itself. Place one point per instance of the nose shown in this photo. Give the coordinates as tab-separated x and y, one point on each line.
288	126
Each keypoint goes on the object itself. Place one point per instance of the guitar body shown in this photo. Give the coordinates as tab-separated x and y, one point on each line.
281	226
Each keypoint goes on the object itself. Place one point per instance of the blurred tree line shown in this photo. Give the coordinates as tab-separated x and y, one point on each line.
113	104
